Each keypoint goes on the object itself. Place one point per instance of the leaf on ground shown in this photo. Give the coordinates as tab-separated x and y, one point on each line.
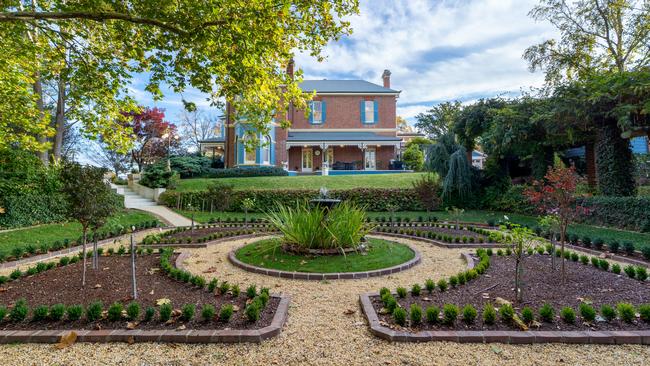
163	301
131	325
519	322
151	293
349	312
496	350
66	340
130	340
98	286
210	270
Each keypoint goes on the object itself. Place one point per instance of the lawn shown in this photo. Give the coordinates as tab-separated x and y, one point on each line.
382	254
607	234
401	180
50	233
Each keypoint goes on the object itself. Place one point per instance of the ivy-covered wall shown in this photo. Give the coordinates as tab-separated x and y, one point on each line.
614	164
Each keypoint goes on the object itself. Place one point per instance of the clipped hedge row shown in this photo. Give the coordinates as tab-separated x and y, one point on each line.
629	213
32	209
374	199
264	171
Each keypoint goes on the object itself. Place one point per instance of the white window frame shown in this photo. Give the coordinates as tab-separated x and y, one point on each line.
316	107
372	152
369	114
266	150
247	152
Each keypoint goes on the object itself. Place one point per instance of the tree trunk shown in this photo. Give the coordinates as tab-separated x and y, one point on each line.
553	251
59	121
562	240
95	254
83	272
38	90
135	287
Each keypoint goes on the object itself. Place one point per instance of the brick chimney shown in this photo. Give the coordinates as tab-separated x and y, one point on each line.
386	77
290	67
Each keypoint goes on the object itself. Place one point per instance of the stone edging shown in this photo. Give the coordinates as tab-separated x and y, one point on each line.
323	276
495	336
170	336
78	248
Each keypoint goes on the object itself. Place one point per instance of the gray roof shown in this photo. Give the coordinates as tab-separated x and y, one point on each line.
213	139
338	136
343	86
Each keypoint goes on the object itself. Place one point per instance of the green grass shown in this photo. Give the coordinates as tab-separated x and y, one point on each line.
69	230
268	254
640	240
401	180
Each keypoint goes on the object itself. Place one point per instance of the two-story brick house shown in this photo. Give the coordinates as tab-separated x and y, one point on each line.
351	126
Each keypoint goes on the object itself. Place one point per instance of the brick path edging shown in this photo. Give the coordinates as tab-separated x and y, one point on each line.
323	276
161	335
494	336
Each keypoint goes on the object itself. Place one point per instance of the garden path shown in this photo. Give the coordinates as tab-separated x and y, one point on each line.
135	201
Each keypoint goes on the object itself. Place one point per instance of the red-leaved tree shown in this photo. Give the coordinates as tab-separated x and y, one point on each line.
149	127
556	195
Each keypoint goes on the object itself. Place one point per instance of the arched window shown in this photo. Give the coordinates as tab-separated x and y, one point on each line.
249	151
266	150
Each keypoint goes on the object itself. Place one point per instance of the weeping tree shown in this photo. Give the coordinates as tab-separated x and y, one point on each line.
438	159
458	181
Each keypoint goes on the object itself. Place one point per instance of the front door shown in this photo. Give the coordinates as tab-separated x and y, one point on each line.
370	159
307	159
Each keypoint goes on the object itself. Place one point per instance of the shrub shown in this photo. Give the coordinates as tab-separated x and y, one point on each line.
630	271
453	281
252	311
416	289
558	253
613	246
587	312
469	314
165	312
527	315
499	252
442	285
608	312
430	285
546	313
234	290
416	314
461	278
595	261
433	314
3	280
401	292
574	256
489	314
540	250
115	312
187	312
646	252
598	243
508	251
39	313
549	248
568	315
644	312
94	311
57	311
15	274
603	264
625	311
133	310
390	303
586	241
584	259
19	311
225	313
449	314
628	247
3	313
149	313
641	273
251	291
74	312
212	285
399	316
489	251
506	312
616	268
224	287
207	312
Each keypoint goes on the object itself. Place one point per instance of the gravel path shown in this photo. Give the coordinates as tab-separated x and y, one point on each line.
319	332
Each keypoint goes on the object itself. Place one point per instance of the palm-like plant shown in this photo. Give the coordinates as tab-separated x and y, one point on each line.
346	224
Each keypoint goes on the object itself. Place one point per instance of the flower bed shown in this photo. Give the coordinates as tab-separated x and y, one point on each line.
597	296
168	299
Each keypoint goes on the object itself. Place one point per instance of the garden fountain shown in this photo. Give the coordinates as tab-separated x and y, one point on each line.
324	200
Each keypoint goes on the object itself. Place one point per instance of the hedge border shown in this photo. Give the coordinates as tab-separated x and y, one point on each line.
325	276
160	335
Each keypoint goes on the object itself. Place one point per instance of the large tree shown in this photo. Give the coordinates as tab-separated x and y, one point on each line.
197	126
87	52
439	120
153	136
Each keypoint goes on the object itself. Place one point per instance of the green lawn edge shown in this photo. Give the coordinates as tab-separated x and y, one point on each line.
383	254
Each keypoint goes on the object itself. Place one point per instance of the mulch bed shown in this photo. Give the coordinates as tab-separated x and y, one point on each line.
112	283
204	232
541	285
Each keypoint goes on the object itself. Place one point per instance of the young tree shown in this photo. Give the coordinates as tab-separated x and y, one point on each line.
90	200
551	224
149	127
521	239
428	188
556	195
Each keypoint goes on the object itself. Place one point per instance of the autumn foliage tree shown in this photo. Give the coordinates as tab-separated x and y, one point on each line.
556	195
148	127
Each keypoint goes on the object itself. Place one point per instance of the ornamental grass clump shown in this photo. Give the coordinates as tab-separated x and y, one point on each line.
416	289
401	292
429	285
442	285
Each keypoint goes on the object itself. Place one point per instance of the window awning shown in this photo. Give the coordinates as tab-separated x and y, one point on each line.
340	138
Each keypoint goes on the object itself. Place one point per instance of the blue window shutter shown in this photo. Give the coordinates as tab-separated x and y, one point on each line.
323	110
362	108
376	110
240	152
311	113
272	153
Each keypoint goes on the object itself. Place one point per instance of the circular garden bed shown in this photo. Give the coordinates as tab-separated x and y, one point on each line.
382	257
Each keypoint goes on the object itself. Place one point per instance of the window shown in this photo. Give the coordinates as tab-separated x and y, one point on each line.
266	150
249	152
369	111
316	112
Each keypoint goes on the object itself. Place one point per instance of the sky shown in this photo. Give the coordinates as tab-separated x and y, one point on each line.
437	51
